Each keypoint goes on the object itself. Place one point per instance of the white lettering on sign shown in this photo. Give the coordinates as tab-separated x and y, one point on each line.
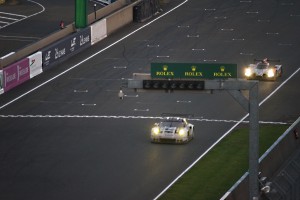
48	56
11	77
73	44
59	53
23	71
83	39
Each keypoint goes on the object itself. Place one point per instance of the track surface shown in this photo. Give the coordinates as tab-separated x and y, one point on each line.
72	138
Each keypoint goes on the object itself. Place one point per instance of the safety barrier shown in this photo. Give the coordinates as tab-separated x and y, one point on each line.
119	18
69	29
107	10
270	162
18	67
7	60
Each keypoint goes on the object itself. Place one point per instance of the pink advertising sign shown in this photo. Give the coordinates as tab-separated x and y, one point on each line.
16	74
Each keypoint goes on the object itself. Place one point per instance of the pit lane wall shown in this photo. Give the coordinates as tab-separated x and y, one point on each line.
19	67
270	162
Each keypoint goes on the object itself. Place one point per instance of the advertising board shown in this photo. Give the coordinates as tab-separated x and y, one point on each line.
98	31
16	74
66	47
35	64
1	82
193	70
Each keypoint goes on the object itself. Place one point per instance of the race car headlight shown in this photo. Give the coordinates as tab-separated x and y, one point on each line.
155	130
270	73
248	72
181	132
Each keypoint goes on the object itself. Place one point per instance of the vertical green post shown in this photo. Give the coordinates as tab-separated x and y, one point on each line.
80	13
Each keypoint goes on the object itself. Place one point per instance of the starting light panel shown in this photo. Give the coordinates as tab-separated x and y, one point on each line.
173	84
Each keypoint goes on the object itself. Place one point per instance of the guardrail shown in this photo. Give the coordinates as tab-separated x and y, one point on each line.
270	161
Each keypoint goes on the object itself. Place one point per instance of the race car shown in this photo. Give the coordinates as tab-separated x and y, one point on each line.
263	70
172	130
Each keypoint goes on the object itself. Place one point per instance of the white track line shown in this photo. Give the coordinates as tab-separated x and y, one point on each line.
18	38
2	22
9	18
229	131
5	13
24	37
130	117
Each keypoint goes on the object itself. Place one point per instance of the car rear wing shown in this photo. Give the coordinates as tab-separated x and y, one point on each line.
267	60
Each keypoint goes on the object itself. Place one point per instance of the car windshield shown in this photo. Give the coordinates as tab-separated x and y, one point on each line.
262	66
171	124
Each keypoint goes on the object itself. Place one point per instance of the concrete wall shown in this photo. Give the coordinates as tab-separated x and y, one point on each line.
107	10
119	19
270	162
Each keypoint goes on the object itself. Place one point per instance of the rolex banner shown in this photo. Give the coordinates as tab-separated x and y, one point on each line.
193	70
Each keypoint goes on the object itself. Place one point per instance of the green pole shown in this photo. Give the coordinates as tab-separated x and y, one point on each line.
80	13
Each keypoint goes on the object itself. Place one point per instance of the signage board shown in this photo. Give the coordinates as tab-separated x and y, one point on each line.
66	47
193	70
35	64
1	82
16	74
98	31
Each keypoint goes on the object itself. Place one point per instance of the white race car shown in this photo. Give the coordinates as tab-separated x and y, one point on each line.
172	130
263	70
